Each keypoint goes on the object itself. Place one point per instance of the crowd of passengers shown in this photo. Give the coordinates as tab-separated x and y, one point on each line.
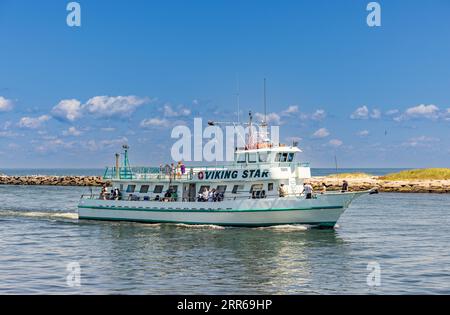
210	195
207	195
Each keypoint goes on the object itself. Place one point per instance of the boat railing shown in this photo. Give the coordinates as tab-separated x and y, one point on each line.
238	196
166	172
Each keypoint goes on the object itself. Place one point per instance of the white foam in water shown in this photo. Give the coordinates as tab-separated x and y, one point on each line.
286	227
47	215
200	226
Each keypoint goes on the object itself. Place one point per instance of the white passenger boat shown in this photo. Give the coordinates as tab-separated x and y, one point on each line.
264	186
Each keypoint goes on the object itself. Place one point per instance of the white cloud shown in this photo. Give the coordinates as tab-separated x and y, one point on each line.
360	113
113	142
420	111
376	114
290	110
72	131
392	112
6	125
422	141
54	145
68	110
321	133
8	134
426	111
447	114
95	145
33	123
363	112
335	143
154	122
5	104
363	133
272	118
181	111
106	106
319	114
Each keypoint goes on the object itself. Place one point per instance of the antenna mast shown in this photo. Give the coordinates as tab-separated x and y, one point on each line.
265	103
238	101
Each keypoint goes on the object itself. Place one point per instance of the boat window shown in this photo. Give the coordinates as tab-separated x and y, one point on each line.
131	188
144	189
281	157
252	157
256	187
237	189
173	188
221	188
270	187
263	156
290	157
202	188
158	189
241	158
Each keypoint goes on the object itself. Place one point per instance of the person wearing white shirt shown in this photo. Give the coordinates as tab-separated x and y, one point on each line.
308	190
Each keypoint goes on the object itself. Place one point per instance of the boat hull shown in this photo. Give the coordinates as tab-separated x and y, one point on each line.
325	210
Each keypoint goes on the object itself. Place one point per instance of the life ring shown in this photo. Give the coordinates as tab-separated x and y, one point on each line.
201	175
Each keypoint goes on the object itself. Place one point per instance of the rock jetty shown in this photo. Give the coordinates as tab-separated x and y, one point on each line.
52	180
398	186
355	184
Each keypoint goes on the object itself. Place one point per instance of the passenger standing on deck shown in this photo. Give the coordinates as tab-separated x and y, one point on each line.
183	168
211	195
178	170
205	194
345	186
172	171
104	192
282	191
308	190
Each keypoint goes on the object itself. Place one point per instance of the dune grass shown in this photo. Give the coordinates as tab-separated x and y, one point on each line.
350	175
420	174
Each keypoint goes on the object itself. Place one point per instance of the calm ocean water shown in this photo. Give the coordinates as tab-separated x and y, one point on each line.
406	234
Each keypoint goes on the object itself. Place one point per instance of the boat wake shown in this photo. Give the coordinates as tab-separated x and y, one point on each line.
199	226
39	215
285	228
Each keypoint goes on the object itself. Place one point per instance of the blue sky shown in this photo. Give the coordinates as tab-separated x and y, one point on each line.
375	97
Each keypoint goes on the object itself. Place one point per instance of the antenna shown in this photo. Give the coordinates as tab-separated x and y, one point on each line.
335	162
238	100
265	103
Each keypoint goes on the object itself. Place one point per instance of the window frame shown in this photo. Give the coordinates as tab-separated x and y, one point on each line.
252	188
236	189
171	188
200	191
142	189
131	188
253	154
220	190
239	158
291	156
262	154
156	190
